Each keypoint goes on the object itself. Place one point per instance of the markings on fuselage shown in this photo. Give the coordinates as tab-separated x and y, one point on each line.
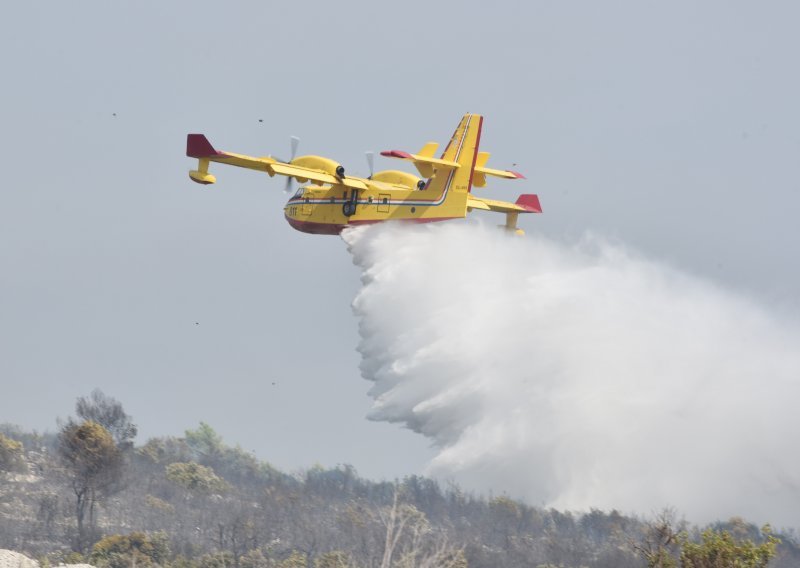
430	203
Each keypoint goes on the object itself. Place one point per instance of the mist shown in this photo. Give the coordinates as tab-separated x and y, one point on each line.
579	375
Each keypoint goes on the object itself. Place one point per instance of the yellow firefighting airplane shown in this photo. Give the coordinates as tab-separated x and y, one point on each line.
333	201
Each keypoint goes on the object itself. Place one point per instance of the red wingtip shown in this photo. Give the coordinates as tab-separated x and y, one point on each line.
198	146
517	174
396	154
530	203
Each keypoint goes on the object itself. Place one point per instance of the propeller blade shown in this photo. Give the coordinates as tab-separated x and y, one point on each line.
294	142
371	163
289	185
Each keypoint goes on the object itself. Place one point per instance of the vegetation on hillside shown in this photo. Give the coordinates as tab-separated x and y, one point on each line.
89	493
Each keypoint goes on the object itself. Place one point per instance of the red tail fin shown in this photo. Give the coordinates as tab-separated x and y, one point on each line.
530	203
198	146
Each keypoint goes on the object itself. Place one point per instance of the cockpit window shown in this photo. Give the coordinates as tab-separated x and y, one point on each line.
300	192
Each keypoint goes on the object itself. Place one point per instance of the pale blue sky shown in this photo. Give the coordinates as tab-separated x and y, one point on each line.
671	126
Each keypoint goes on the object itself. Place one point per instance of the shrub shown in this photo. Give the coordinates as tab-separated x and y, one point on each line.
123	551
11	455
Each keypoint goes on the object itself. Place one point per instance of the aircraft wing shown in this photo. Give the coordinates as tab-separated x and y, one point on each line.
198	146
318	176
418	158
426	164
526	203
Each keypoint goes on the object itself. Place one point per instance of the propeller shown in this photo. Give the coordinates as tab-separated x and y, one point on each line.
295	142
371	163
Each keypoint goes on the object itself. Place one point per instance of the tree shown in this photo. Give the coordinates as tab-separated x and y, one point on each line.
660	544
333	559
196	478
296	560
205	442
94	463
135	549
11	455
254	559
107	412
395	519
506	517
411	539
718	549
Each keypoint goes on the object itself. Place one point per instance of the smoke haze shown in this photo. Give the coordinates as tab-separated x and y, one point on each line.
579	376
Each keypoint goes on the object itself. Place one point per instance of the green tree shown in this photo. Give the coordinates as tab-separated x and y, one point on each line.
205	442
196	478
135	549
11	455
165	450
95	468
719	549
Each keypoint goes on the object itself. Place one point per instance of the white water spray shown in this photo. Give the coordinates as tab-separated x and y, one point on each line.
579	376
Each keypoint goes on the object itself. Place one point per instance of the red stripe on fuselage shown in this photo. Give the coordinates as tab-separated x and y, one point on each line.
475	157
335	229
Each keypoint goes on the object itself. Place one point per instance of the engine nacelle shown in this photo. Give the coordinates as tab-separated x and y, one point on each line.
397	177
319	163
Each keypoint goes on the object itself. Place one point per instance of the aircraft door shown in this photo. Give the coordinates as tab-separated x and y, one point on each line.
306	207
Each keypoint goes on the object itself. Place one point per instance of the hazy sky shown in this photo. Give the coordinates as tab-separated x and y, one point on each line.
670	126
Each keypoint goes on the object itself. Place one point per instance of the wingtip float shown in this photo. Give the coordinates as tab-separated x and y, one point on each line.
332	201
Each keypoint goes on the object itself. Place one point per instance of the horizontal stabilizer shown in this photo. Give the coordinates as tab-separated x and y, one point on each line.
527	203
507	174
481	171
473	203
425	163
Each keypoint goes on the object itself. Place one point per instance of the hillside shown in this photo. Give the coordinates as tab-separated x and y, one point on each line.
196	502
